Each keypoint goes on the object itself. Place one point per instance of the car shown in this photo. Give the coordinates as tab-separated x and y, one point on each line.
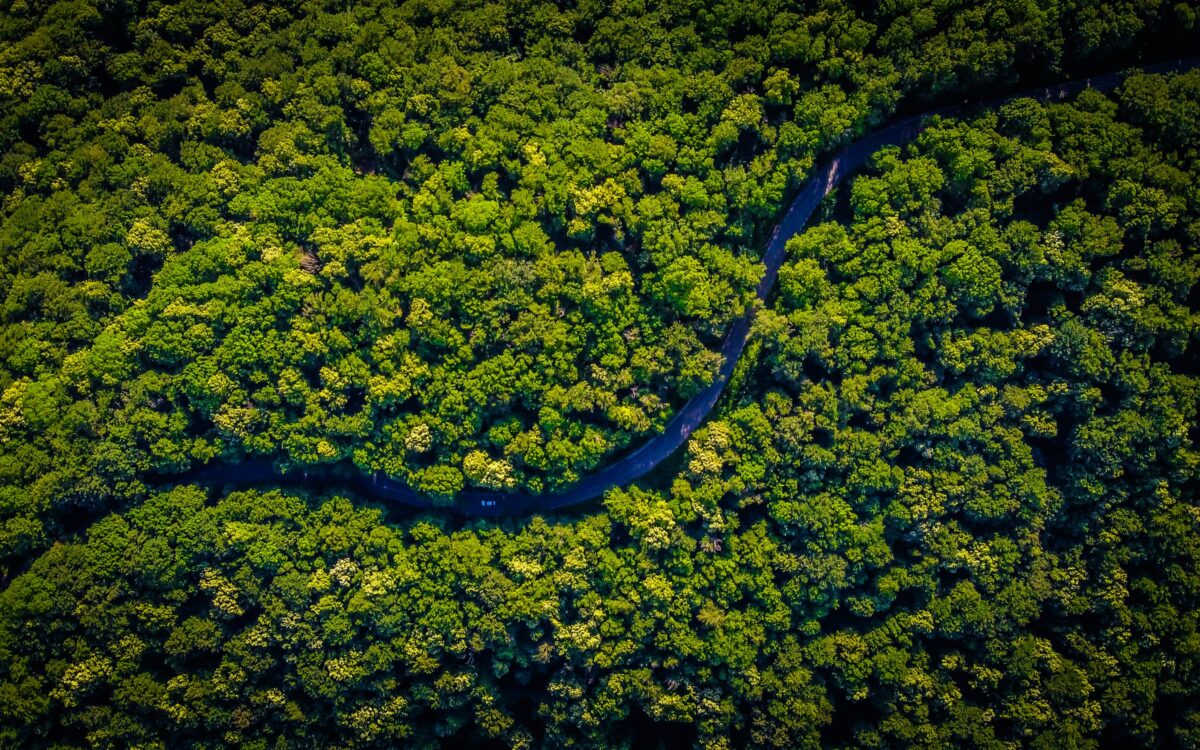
487	503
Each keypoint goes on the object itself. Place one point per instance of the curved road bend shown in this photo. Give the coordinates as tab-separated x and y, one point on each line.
828	175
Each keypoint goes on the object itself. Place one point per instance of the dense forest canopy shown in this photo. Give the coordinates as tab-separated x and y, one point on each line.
950	499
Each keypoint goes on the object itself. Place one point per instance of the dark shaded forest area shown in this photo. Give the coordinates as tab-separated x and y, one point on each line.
949	498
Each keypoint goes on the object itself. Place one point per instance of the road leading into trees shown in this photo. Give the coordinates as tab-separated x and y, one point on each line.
829	174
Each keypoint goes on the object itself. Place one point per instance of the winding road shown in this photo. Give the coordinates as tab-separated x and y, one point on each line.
491	503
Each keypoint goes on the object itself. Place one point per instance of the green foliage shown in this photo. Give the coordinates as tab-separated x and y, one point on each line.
985	392
950	501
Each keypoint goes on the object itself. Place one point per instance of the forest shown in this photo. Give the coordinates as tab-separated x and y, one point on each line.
949	497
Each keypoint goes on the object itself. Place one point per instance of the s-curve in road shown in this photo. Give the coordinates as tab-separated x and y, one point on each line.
828	175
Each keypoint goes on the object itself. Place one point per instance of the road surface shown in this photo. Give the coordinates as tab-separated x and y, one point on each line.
491	503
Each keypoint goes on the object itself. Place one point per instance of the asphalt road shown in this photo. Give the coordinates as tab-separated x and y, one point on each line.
828	175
